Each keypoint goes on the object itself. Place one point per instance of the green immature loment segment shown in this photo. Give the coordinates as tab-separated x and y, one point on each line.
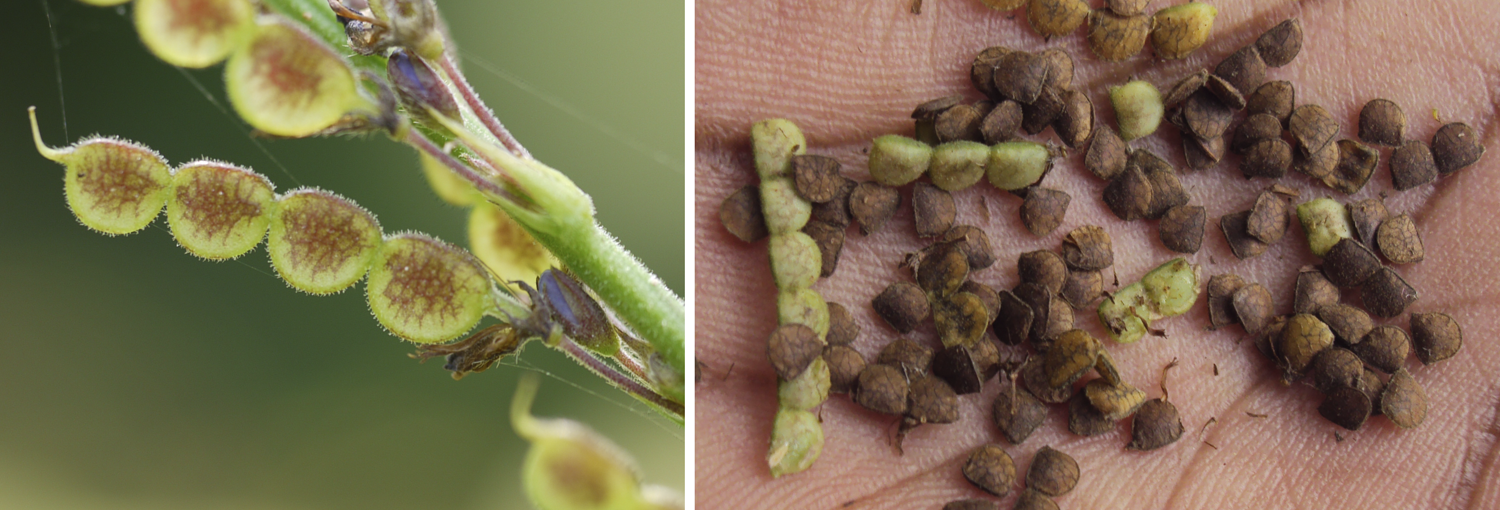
420	289
796	436
1169	290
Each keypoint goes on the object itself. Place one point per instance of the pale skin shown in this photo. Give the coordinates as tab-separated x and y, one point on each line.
847	72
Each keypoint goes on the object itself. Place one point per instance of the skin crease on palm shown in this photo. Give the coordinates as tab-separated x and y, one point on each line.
847	72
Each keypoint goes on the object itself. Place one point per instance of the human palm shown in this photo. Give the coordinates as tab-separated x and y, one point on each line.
847	72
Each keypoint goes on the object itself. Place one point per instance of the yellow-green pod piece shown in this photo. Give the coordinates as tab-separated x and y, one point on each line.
105	3
1127	314
1015	165
896	160
192	33
217	210
321	243
1326	222
287	82
807	390
805	307
569	465
774	142
796	441
795	261
1173	287
113	186
506	248
448	186
425	290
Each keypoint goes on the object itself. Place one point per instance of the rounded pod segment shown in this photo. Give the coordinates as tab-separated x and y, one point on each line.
286	82
321	243
192	33
425	290
217	210
505	247
113	186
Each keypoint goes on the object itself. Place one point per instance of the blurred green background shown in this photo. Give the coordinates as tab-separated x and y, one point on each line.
133	375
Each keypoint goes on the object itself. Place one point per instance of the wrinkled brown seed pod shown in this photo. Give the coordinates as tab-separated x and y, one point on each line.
1043	267
1313	128
1002	123
1047	108
1269	158
906	354
1281	44
986	295
1034	376
1241	242
741	216
931	401
1127	7
817	177
842	330
1367	215
830	241
1013	321
1205	116
1082	288
836	211
902	305
1106	155
933	209
1435	336
1043	210
1346	407
1349	263
1386	294
1059	68
941	270
1226	93
1268	217
1382	122
1088	248
1318	165
1268	340
1181	228
1072	354
1203	154
972	504
1031	499
1275	98
1348	323
1056	17
1336	367
1255	128
1114	37
1084	419
844	367
991	469
1076	121
930	110
1020	76
1412	165
1254	307
958	123
955	365
1244	68
1185	88
1156	424
1017	413
1313	291
974	243
1060	319
1372	386
1399	241
1129	195
883	389
1384	348
982	71
791	348
872	204
1052	472
1455	147
1303	337
1357	163
960	319
1404	401
1166	192
1221	289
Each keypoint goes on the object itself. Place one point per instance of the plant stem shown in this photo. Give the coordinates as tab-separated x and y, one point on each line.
482	111
626	383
